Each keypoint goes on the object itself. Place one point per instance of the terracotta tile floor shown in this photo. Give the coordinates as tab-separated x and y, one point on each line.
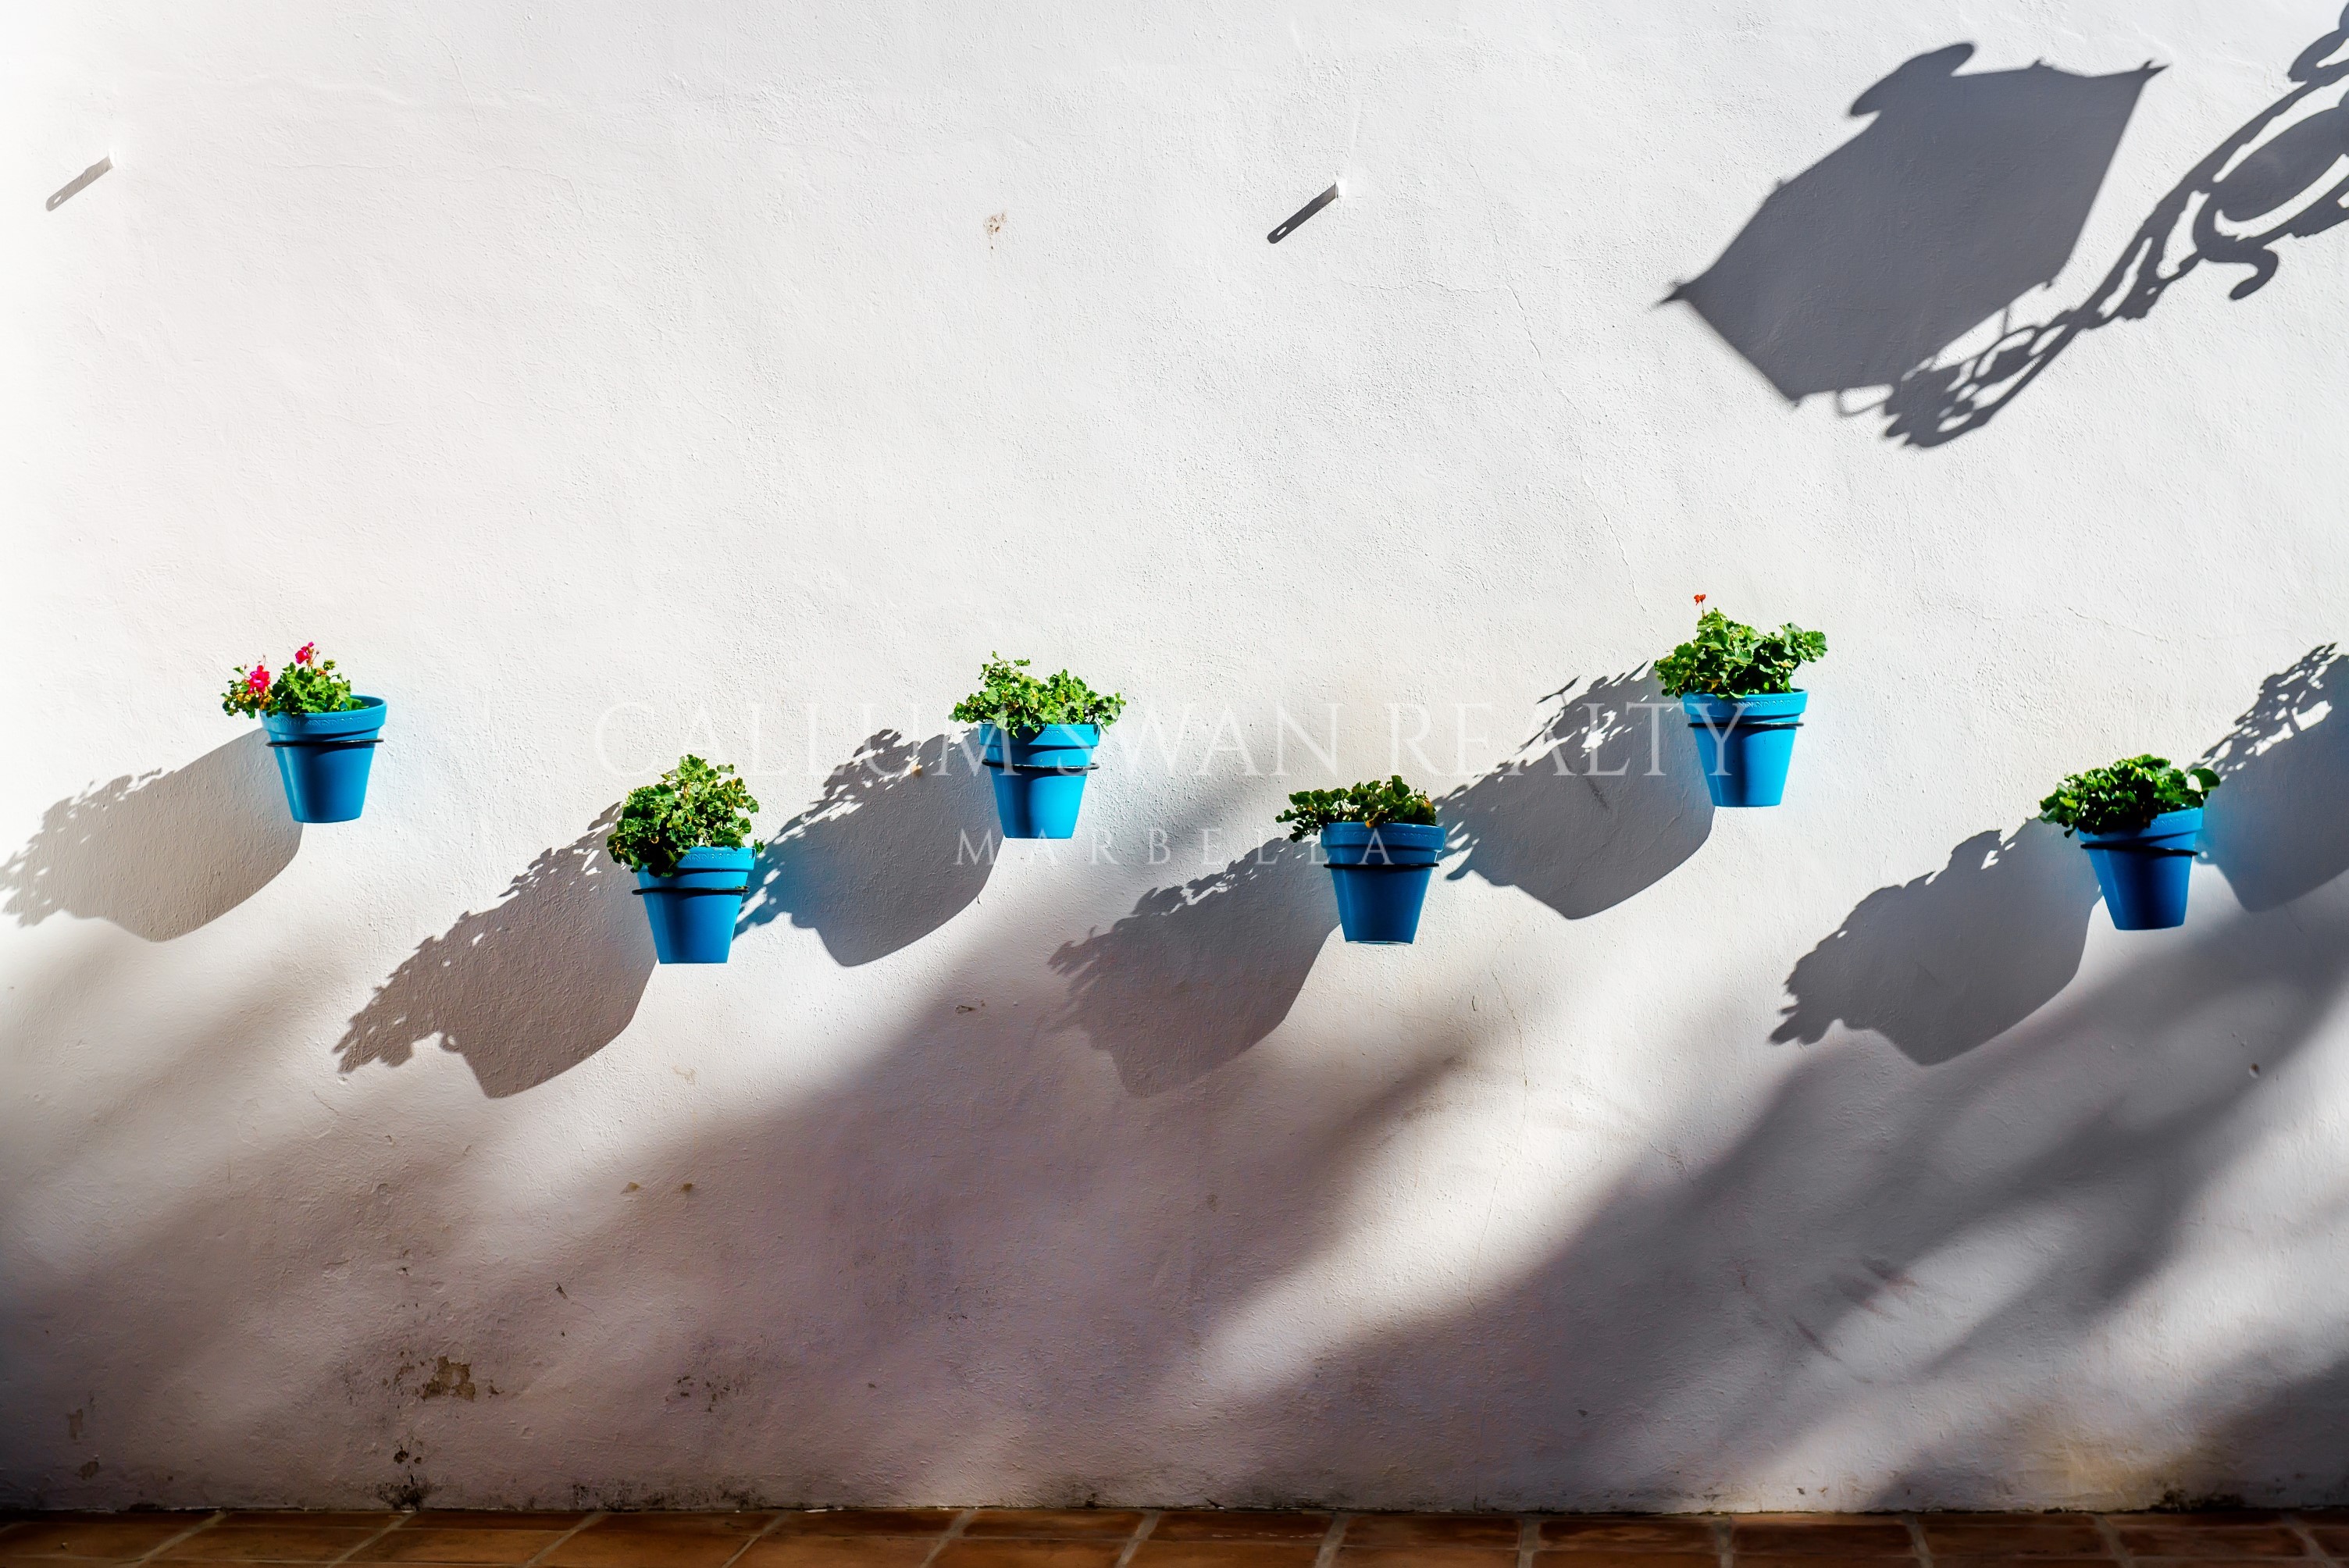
1133	1538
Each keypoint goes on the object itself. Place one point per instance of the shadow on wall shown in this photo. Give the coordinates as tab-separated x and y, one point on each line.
899	844
1871	1242
1951	961
889	1274
2004	168
526	989
1964	193
162	854
1199	973
1955	959
2278	828
1603	803
2278	177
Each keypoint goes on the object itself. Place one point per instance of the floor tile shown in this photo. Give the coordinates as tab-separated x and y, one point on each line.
1060	1523
282	1543
2019	1560
866	1522
488	1519
1157	1554
1426	1557
839	1551
633	1541
2333	1538
97	1535
1432	1530
1010	1553
2007	1535
1238	1524
1828	1535
1627	1533
370	1519
1604	1557
2208	1538
430	1544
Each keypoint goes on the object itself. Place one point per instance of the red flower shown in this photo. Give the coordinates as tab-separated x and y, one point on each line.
305	652
1699	600
257	681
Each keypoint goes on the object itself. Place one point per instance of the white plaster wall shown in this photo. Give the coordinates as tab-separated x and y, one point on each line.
596	380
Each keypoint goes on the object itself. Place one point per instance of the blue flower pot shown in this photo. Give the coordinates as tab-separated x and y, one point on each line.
1381	874
1744	744
693	912
1039	778
2144	873
323	757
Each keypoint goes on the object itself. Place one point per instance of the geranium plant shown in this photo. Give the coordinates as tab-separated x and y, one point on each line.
1373	804
305	684
1019	704
2126	797
693	806
1728	658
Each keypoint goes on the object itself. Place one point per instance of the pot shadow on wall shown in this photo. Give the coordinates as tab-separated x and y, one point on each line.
1199	973
163	853
894	1275
2277	828
1864	272
1952	960
900	841
1604	801
526	989
1943	963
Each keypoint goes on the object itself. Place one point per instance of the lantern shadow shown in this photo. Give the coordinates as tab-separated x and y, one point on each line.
1605	800
1876	267
901	839
1963	194
1199	973
163	853
526	989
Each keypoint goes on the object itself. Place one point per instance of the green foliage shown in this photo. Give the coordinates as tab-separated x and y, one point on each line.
693	806
2127	796
306	685
1374	805
1017	703
1730	658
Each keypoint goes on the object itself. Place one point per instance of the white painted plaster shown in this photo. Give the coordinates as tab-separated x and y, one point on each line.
595	379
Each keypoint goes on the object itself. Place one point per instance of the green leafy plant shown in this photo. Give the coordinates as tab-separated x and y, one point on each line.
1730	658
1374	805
306	685
693	806
1017	703
2126	797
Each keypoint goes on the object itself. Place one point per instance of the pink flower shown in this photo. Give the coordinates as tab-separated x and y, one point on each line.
257	681
305	652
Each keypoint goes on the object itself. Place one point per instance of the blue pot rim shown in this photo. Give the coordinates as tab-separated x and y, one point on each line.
1416	835
703	861
2168	825
1051	737
369	715
1771	702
